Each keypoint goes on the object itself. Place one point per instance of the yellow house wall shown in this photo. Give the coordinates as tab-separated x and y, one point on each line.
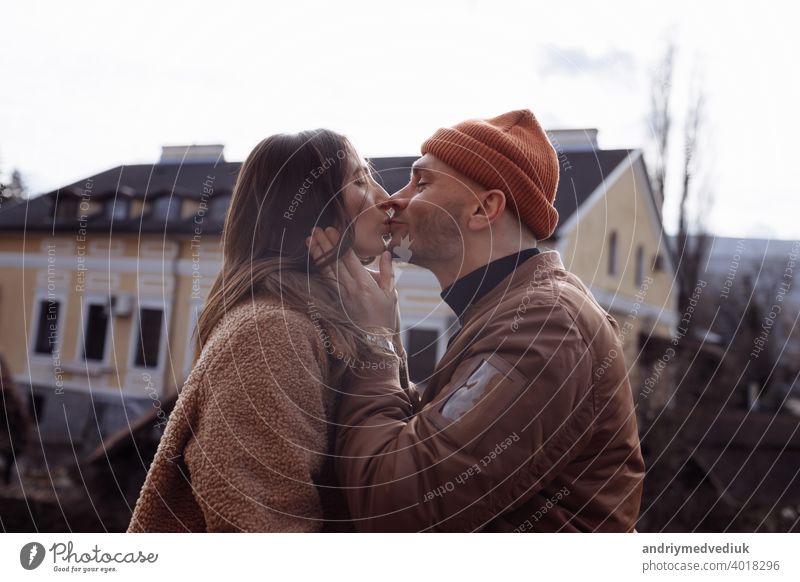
624	210
585	252
133	265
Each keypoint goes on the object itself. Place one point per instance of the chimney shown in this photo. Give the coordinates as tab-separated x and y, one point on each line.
573	140
192	154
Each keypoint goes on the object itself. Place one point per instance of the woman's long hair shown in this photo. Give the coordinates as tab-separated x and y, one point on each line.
288	184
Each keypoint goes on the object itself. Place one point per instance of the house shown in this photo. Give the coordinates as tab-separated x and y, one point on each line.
100	283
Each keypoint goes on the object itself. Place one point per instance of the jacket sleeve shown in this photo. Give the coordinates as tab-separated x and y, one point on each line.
405	378
260	428
492	435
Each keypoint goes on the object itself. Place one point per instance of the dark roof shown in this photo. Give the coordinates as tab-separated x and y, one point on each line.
581	173
157	179
393	173
143	181
579	178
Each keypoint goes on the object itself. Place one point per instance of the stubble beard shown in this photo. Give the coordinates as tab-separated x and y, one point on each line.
436	239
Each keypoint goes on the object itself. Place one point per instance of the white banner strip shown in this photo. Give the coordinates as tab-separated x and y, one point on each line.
401	557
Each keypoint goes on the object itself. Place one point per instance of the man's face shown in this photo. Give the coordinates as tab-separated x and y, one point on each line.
430	213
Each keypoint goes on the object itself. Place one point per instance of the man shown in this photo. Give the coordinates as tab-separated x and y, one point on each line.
527	423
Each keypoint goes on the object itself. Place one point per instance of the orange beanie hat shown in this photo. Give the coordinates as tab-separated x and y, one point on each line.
511	153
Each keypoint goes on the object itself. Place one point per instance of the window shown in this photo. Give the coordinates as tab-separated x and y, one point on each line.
117	208
218	207
422	353
66	207
639	265
95	332
195	308
168	207
612	253
47	326
148	343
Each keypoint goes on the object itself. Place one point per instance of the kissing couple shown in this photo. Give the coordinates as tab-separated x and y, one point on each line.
299	416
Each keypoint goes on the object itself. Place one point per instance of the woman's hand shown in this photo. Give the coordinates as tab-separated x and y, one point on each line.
369	298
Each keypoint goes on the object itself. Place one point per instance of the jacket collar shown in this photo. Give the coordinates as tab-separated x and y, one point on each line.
473	286
539	267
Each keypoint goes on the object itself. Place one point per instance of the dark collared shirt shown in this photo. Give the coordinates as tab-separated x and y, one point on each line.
474	285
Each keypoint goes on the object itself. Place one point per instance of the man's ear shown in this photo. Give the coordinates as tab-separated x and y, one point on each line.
491	205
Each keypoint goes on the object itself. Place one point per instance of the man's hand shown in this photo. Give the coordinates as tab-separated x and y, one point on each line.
369	298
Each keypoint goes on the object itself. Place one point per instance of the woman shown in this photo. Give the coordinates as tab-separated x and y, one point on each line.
246	448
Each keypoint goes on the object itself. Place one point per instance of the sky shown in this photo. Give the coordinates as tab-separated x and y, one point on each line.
88	86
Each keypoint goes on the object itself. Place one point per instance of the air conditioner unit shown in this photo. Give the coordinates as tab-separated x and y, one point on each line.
123	306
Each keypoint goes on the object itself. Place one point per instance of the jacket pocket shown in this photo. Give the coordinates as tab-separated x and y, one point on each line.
480	404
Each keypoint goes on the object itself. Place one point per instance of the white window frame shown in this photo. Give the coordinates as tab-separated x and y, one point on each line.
95	299
221	200
149	303
40	296
195	306
429	322
639	268
612	266
173	209
117	208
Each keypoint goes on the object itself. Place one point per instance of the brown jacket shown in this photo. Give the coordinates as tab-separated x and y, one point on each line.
528	422
245	447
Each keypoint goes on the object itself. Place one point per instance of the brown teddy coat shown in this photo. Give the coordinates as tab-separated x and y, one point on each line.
247	443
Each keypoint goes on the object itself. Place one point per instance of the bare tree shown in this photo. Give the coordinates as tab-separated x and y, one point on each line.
15	189
666	450
661	118
692	240
759	332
